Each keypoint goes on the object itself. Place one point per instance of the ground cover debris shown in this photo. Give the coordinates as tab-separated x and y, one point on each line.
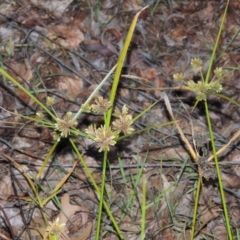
93	151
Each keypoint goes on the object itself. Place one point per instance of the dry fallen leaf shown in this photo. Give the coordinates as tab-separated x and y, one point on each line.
5	189
176	35
21	71
68	210
219	231
6	33
166	37
67	37
168	234
132	5
54	7
71	86
74	214
207	216
84	233
96	46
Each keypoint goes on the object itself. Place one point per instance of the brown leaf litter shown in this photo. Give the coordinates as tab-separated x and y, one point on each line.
63	49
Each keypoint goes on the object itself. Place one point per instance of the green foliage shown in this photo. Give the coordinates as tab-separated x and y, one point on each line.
104	136
117	125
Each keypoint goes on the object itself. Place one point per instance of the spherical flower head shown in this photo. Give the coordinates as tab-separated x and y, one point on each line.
64	125
124	121
101	105
86	108
216	86
55	228
50	101
91	130
201	96
202	87
191	84
178	76
118	113
56	136
218	72
39	116
196	63
105	137
123	124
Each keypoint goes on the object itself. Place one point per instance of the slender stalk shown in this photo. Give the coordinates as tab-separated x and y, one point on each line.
94	93
96	188
47	159
225	210
196	206
143	206
101	196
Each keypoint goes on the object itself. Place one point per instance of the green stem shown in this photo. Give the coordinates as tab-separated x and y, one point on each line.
196	207
143	206
96	188
101	195
225	210
46	160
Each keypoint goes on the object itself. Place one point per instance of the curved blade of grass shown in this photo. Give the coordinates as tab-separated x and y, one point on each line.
16	83
227	98
109	113
185	140
46	159
120	64
235	136
94	93
59	185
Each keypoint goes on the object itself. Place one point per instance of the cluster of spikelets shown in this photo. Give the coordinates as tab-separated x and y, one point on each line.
55	228
202	88
103	136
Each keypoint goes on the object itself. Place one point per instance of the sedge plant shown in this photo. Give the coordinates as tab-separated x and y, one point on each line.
203	89
117	125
